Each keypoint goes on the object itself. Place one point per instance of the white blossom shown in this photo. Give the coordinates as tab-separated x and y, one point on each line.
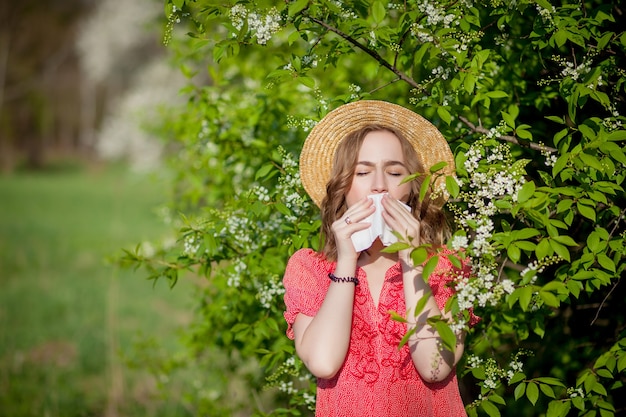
234	277
508	286
261	26
270	291
190	245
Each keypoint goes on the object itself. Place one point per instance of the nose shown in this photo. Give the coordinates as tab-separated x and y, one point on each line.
379	183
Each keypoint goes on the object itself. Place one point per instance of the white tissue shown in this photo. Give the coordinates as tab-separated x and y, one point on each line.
363	239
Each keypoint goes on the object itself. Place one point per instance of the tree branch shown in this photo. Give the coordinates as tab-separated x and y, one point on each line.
615	227
506	138
604	301
368	51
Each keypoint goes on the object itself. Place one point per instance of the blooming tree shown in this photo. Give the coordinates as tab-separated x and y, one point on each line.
115	37
530	95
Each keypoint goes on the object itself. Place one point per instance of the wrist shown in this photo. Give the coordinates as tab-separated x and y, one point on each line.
342	279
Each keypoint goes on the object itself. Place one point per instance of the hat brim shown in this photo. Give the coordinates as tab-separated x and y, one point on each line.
316	158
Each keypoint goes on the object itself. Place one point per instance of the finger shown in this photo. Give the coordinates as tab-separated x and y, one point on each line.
400	219
396	209
359	211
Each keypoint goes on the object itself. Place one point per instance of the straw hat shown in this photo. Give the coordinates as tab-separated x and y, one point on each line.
319	148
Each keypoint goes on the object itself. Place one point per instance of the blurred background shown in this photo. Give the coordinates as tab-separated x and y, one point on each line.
81	178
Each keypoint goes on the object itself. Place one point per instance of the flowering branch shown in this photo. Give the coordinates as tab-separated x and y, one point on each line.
507	138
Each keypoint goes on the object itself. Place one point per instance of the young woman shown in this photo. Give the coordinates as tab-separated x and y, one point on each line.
338	301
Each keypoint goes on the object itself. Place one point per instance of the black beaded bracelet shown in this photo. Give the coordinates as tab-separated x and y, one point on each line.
333	278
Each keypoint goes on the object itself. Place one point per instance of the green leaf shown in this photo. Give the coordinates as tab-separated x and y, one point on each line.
523	133
559	135
378	11
519	376
307	81
397	317
455	260
264	171
444	114
586	211
545	4
556	119
520	390
599	388
421	303
560	249
558	408
574	287
547	390
490	408
526	192
606	406
425	187
508	119
419	255
598	197
448	338
604	40
543	249
549	299
621	363
297	6
283	209
452	186
496	94
588	381
579	403
566	240
525	245
406	337
554	286
560	164
495	398
526	294
587	131
430	266
591	161
438	166
469	82
513	252
550	381
532	393
617	135
396	247
606	262
525	233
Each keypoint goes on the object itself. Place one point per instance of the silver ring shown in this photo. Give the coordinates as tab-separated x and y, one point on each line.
348	221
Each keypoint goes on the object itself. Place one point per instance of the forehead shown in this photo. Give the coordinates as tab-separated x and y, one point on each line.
381	145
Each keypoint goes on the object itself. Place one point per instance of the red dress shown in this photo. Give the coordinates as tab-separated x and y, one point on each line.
377	379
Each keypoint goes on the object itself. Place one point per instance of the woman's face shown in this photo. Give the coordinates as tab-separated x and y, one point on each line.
380	168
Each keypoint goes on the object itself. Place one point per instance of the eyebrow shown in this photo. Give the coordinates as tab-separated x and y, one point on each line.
386	164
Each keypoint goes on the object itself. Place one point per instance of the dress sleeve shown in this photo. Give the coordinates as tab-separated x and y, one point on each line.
444	277
306	283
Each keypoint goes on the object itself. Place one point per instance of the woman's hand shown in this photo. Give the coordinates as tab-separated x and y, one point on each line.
348	224
401	221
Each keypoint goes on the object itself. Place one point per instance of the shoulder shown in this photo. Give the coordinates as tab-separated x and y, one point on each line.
306	264
306	257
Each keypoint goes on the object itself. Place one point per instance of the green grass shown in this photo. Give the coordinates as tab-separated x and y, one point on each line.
67	316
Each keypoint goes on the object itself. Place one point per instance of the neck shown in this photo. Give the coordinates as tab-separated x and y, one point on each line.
374	255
